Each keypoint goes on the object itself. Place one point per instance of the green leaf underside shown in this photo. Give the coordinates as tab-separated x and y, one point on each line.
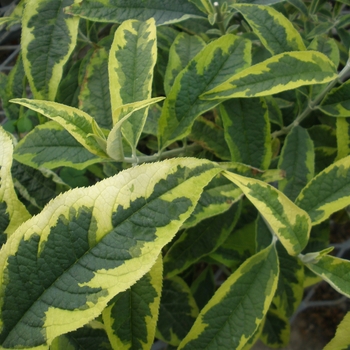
225	322
297	160
282	72
96	242
132	58
247	131
94	96
184	48
51	146
130	319
328	192
78	123
335	271
177	312
337	102
209	68
12	211
48	38
274	30
199	241
291	224
341	339
117	11
211	137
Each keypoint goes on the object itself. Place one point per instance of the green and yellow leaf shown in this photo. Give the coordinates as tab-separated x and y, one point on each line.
285	71
177	312
216	198
274	30
51	146
337	102
130	318
12	212
184	48
87	338
94	96
343	137
276	330
209	68
247	131
211	137
48	39
114	145
290	288
131	62
78	123
118	11
200	240
333	270
95	242
290	223
238	307
327	46
328	192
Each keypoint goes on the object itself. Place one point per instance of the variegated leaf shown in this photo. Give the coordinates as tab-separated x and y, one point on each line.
211	137
290	288
178	311
337	102
114	145
118	11
183	49
216	198
131	62
238	307
209	68
290	223
130	318
95	242
274	30
333	270
94	96
276	330
87	338
328	192
12	212
282	72
247	131
78	123
327	46
51	146
343	137
200	240
48	38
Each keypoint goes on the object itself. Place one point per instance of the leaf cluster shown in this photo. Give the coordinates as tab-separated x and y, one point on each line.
168	171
